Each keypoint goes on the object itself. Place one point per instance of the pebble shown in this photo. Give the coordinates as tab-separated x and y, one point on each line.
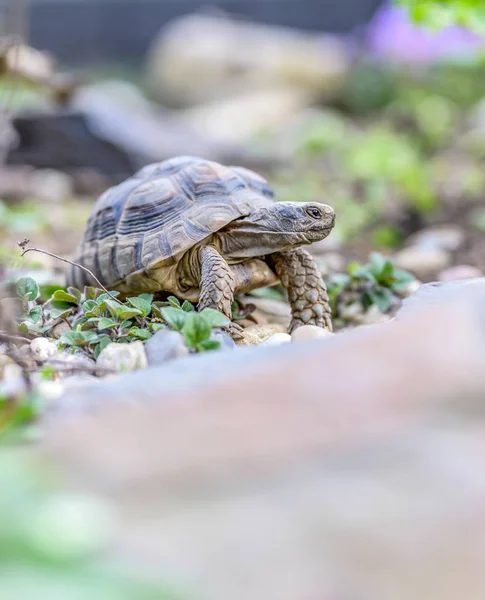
42	349
277	339
164	345
352	312
422	261
273	311
227	343
445	237
374	316
460	272
67	358
310	332
123	357
256	334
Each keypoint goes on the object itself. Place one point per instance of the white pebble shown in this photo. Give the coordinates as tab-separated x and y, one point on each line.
277	339
123	357
42	349
309	332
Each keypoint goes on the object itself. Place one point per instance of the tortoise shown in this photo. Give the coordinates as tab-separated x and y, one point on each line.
205	232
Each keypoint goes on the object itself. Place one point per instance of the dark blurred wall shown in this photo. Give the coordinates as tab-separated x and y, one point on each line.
98	31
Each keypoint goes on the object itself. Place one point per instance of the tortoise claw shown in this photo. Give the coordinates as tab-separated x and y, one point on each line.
234	330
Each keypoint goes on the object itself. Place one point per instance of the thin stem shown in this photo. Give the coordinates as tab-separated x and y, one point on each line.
6	337
74	264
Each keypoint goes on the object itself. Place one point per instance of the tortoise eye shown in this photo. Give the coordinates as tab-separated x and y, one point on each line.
314	212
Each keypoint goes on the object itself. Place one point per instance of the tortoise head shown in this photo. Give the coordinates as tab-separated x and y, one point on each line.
276	227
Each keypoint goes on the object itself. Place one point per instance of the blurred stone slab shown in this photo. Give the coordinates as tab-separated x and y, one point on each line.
342	468
368	382
436	293
111	129
227	57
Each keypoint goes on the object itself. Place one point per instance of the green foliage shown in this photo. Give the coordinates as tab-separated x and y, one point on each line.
438	14
53	543
376	283
96	318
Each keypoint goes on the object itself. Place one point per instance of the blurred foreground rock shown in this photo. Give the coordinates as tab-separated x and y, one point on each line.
347	467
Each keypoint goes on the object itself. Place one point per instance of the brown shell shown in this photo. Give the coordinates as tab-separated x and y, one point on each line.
161	212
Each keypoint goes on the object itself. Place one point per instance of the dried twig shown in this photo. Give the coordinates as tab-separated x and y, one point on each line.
24	243
7	337
61	367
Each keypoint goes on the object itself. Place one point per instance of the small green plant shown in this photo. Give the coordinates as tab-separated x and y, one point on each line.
438	14
95	318
375	283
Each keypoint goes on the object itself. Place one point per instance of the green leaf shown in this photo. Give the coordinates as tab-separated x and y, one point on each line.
106	323
78	338
104	340
195	329
113	307
377	261
208	345
214	318
156	326
35	314
142	334
90	292
23	327
61	305
75	292
62	296
104	296
142	305
187	306
381	298
147	297
56	313
174	301
88	307
128	313
175	317
27	289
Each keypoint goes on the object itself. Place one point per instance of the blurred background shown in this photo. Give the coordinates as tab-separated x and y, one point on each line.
349	103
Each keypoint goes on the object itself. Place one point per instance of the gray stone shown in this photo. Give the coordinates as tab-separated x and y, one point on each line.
436	293
226	341
444	237
422	261
165	345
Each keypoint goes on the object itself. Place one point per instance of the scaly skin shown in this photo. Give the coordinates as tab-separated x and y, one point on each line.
217	283
300	276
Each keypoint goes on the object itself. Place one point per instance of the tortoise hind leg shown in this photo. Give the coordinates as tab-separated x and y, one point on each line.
300	276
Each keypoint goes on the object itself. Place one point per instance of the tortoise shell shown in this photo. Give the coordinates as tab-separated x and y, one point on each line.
155	216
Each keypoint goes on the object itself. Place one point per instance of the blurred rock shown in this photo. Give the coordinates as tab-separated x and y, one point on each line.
460	272
273	311
237	120
227	57
255	334
309	332
422	261
118	113
444	237
123	357
226	341
277	339
350	469
435	293
165	345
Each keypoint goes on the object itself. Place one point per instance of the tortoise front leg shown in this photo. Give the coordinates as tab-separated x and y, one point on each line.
217	282
300	276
